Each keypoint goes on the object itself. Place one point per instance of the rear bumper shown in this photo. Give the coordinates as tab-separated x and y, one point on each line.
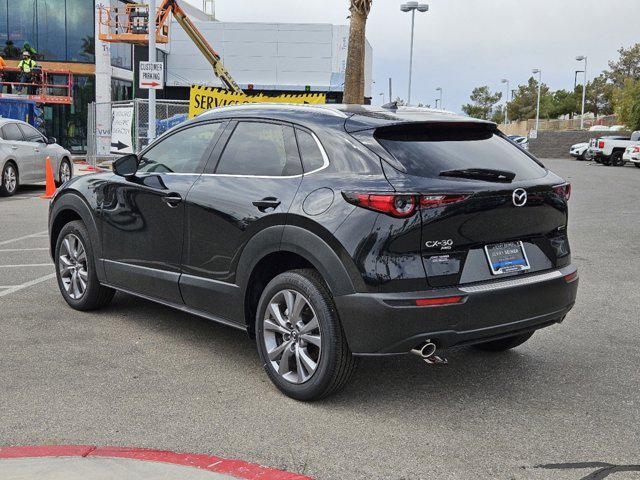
383	324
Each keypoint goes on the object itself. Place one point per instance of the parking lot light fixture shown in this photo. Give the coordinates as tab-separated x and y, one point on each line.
581	58
506	102
439	89
538	71
412	7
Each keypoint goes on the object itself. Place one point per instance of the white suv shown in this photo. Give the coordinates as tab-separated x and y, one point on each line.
23	155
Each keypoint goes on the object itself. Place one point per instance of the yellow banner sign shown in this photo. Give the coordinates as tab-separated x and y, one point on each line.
205	98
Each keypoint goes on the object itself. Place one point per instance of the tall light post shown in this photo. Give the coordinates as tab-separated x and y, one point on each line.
506	102
412	7
539	72
439	89
382	95
581	58
152	58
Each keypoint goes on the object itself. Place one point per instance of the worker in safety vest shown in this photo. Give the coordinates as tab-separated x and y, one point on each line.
26	66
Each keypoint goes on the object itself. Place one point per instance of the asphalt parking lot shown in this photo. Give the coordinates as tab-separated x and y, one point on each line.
139	374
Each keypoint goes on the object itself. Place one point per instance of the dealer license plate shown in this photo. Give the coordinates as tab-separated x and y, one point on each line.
507	257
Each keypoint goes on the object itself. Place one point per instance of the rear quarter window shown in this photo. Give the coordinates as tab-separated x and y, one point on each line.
429	151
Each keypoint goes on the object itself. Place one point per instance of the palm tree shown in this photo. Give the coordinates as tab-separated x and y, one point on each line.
354	74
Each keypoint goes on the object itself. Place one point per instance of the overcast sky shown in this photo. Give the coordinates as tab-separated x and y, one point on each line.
461	44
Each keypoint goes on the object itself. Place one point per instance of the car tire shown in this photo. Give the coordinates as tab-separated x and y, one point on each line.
76	271
10	180
616	159
65	172
503	344
285	317
636	164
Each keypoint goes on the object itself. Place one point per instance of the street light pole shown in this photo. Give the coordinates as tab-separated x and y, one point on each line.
439	89
539	72
152	58
506	102
584	88
412	7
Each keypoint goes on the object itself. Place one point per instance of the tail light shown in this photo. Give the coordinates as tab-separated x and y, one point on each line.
563	190
434	302
600	144
571	277
430	201
635	150
398	205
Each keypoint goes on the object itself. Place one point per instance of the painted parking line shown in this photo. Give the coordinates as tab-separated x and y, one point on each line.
24	237
28	284
25	265
2	250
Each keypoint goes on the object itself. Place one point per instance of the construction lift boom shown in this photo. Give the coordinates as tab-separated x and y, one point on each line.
129	24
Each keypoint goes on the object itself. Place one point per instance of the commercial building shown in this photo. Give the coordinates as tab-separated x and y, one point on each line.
270	58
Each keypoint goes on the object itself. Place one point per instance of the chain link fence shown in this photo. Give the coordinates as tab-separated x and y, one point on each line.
117	128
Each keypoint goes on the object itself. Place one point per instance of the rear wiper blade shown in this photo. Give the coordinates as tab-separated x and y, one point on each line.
485	174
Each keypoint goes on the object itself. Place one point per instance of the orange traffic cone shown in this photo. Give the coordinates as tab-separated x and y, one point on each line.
51	183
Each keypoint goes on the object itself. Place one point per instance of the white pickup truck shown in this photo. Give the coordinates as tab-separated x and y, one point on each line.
610	150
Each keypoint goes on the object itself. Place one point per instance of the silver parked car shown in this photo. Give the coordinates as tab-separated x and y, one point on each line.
23	154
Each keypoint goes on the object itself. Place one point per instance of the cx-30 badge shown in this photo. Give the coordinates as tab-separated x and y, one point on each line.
519	197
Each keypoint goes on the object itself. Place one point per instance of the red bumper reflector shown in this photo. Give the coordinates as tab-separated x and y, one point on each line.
431	302
571	277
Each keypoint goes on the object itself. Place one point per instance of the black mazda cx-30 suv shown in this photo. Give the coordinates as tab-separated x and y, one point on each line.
327	233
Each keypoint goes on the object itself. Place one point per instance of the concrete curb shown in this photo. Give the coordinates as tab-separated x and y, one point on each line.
233	468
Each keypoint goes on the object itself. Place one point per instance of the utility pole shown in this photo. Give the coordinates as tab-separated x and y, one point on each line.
412	7
506	103
152	58
390	92
539	72
584	88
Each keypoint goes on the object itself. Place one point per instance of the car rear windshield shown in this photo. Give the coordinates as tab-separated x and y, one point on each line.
428	151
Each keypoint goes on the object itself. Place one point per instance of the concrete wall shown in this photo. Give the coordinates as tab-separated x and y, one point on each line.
271	56
556	144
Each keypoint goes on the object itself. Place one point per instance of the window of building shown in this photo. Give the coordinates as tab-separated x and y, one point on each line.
121	89
68	123
181	152
257	148
52	30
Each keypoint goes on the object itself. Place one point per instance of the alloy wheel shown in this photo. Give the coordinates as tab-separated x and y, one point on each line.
72	263
291	334
65	172
10	179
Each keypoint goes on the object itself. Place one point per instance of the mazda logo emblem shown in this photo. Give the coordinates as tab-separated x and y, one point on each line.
519	197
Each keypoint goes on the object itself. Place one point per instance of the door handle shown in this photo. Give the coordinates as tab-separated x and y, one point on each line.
173	199
13	147
268	202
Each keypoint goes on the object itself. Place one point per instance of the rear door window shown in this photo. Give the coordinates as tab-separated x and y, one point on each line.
11	132
429	151
262	149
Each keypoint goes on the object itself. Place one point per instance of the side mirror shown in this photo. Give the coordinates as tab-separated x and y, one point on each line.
126	166
51	140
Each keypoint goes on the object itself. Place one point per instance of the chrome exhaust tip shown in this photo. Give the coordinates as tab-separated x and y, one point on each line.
427	351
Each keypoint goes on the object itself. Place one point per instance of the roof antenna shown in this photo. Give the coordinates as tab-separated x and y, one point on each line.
391	105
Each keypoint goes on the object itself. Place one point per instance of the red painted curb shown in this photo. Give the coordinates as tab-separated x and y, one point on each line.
235	468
